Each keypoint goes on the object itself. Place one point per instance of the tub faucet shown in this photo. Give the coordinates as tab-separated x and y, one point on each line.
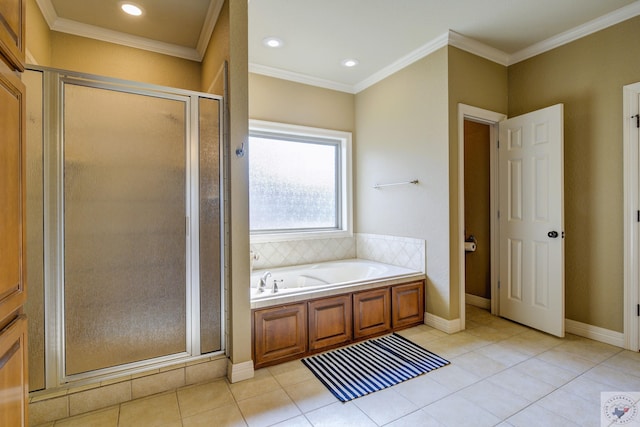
263	281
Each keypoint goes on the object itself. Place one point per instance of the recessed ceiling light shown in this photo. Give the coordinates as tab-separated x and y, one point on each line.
131	9
272	42
349	62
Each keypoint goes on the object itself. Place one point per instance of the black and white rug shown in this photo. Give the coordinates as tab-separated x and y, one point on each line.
372	365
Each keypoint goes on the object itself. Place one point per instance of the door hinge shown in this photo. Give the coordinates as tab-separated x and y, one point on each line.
498	214
637	216
637	117
498	284
638	310
498	142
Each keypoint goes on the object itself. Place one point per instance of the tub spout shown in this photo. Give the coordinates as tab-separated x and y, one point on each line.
263	281
275	285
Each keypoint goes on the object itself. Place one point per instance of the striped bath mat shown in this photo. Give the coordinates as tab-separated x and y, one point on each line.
372	365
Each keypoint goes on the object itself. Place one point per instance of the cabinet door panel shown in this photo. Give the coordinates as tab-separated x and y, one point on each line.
13	373
371	313
329	322
279	333
407	304
12	18
12	177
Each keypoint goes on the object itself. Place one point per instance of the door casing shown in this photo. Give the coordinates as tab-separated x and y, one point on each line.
631	183
492	119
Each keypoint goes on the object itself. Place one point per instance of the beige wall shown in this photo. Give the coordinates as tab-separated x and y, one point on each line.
239	329
91	56
216	54
477	207
284	101
402	127
38	36
481	83
587	76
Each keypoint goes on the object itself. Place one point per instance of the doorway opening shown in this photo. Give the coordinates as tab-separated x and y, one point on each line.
477	213
485	267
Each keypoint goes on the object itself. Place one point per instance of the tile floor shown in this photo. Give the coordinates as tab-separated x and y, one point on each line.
501	373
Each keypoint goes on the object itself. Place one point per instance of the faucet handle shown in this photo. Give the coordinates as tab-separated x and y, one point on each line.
275	285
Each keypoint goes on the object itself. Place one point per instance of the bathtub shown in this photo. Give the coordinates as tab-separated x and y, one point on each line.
323	279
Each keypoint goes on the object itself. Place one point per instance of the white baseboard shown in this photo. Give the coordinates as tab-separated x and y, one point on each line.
478	301
239	371
444	325
594	332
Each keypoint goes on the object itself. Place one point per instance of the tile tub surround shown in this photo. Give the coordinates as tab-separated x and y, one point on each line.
295	252
401	251
501	374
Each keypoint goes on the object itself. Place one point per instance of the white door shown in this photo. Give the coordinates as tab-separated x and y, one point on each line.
532	220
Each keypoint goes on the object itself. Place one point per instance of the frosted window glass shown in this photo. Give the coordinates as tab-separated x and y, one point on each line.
124	228
34	306
210	265
292	185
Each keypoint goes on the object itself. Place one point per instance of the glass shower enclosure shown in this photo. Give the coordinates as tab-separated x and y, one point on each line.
127	261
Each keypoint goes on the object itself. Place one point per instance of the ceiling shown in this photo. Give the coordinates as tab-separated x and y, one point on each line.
383	35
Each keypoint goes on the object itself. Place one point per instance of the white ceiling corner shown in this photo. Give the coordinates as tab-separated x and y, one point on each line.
59	24
593	26
305	24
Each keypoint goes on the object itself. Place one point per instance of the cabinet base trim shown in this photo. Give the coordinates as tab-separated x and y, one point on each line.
444	325
239	371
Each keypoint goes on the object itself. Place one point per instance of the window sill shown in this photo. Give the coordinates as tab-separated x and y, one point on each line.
307	235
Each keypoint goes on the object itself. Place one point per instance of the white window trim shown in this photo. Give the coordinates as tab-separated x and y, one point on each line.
346	182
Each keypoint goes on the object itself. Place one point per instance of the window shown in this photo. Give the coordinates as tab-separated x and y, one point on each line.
299	182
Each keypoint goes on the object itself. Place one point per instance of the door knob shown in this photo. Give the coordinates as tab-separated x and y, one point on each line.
552	234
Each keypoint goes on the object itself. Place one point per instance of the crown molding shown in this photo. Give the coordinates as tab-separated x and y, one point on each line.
478	48
299	78
593	26
90	31
84	30
449	38
48	11
424	50
213	13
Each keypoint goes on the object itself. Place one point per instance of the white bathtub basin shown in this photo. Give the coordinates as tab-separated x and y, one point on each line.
303	279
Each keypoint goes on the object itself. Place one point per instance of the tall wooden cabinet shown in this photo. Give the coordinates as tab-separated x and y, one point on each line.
13	323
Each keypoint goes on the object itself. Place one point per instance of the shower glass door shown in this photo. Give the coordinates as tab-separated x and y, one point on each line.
125	201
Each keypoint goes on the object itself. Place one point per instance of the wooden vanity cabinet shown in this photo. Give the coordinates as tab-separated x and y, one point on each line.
290	331
13	323
372	313
280	333
329	322
12	30
407	304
